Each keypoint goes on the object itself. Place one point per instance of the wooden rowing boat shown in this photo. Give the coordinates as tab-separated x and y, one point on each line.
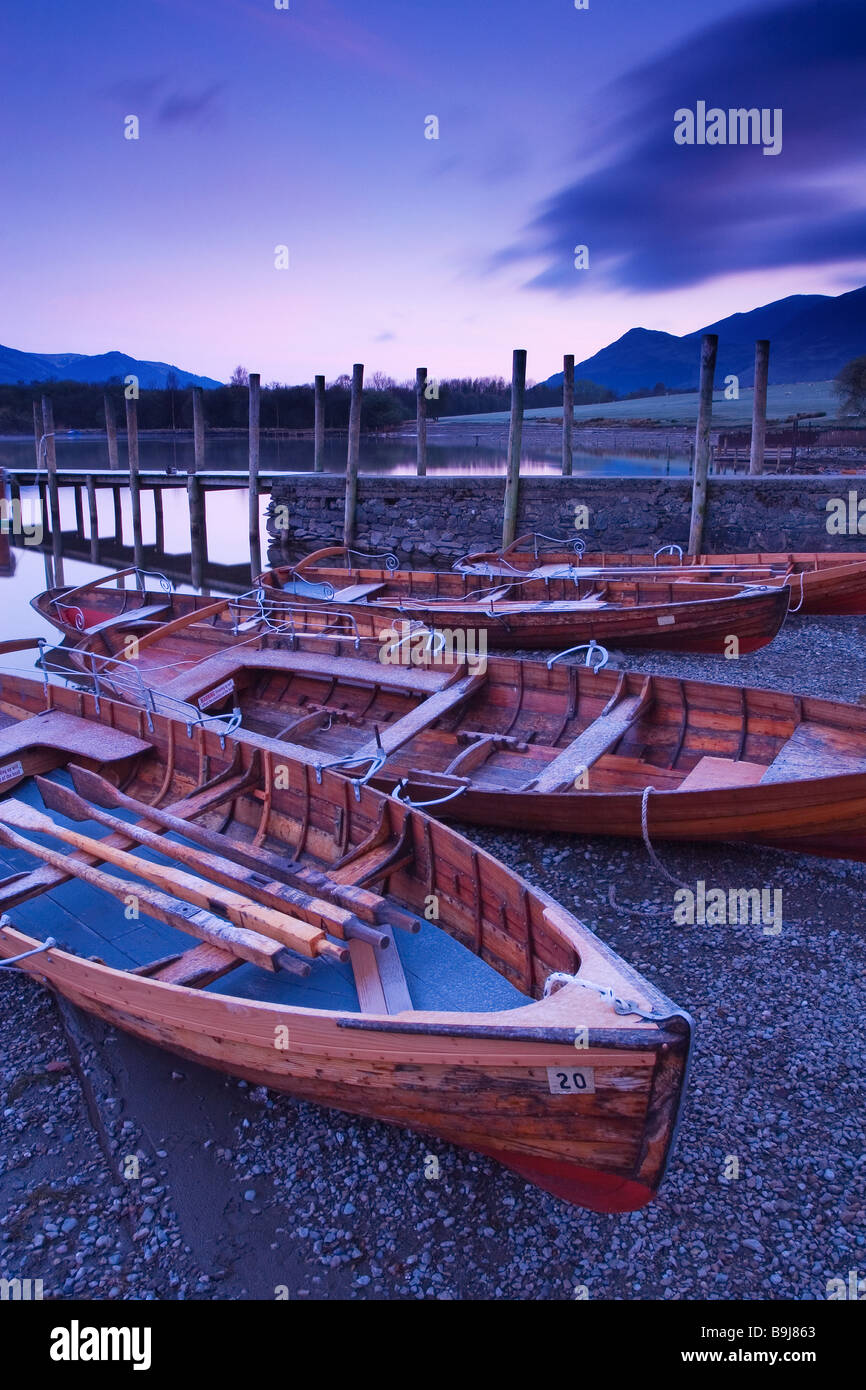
515	743
550	611
631	613
830	583
499	1022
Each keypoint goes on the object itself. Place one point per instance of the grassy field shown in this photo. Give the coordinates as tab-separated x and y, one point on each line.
782	401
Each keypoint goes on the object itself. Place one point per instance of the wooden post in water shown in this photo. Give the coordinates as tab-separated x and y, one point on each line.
255	542
53	491
37	433
421	413
195	495
319	427
134	484
567	413
353	456
93	515
113	462
709	348
759	406
515	439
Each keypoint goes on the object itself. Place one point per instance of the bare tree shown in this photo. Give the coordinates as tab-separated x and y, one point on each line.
239	377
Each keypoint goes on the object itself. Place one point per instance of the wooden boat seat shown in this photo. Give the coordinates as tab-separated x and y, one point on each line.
356	593
379	977
590	745
815	750
710	772
231	662
132	615
393	736
68	734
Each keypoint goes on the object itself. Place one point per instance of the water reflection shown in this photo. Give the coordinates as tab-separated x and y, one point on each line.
394	456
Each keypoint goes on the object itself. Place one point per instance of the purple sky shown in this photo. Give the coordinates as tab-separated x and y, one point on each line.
305	127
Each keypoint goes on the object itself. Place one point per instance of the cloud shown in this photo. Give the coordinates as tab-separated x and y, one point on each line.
167	100
186	108
386	337
656	215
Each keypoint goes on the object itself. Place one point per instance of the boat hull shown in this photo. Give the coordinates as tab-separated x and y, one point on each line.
484	1093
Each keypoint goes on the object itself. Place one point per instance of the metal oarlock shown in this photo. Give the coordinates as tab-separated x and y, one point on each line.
669	550
592	649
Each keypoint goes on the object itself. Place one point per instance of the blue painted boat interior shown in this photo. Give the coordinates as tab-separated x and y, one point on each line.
440	973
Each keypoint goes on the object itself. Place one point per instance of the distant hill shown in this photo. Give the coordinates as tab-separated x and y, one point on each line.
811	337
23	367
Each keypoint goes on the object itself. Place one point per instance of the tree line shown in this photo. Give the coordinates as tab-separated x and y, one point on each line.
386	403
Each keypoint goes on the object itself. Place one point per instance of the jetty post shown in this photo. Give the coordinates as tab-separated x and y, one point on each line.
515	439
113	462
134	481
567	413
93	516
37	434
421	414
759	406
350	518
255	412
709	350
319	426
53	491
195	495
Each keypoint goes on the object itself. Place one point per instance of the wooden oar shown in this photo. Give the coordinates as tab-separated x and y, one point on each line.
288	931
366	904
248	945
320	914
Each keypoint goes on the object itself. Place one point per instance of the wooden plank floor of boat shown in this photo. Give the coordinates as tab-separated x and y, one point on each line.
440	973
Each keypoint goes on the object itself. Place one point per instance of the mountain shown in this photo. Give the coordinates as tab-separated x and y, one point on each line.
18	367
811	337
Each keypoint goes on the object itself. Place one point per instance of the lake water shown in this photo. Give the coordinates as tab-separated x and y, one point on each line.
393	456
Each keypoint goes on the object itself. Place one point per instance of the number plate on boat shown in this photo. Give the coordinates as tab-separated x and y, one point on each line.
571	1081
10	771
666	621
218	693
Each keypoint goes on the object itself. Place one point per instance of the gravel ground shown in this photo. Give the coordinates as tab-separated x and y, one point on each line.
244	1194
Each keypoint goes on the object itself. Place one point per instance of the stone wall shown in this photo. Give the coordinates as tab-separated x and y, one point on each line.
433	520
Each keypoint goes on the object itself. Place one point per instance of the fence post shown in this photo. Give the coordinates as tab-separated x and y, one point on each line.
567	413
709	349
255	408
350	519
421	414
319	427
134	483
515	438
759	406
53	491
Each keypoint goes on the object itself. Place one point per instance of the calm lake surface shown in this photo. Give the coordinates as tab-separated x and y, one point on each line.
393	456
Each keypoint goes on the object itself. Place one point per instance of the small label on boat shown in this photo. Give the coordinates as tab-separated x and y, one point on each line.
213	697
10	772
571	1081
666	621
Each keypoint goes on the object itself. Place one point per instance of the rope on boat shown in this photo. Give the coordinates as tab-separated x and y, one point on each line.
644	830
620	1006
47	945
800	604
